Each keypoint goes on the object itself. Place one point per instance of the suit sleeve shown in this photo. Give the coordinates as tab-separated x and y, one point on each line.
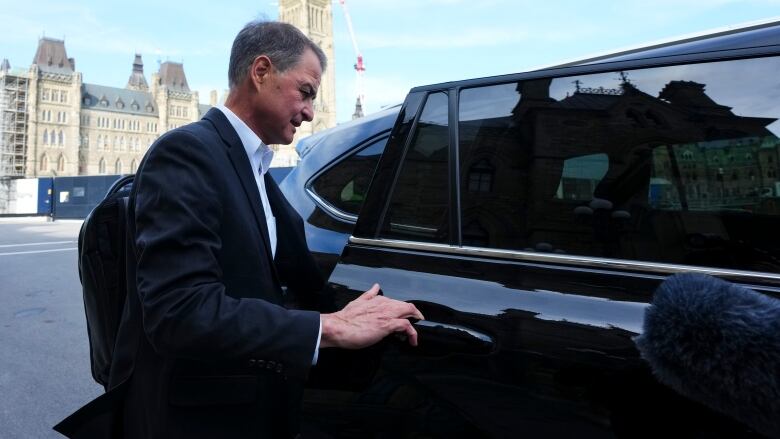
186	312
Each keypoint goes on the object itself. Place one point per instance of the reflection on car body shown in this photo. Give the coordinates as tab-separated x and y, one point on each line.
530	217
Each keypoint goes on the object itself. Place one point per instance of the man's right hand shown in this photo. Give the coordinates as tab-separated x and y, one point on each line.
367	320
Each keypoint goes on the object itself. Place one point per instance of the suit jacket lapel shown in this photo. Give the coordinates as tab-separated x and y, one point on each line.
243	168
293	262
272	190
282	223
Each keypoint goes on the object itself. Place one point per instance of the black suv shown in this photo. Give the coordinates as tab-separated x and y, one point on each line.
531	216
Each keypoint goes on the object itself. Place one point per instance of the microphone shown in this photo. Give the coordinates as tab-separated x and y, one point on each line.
717	343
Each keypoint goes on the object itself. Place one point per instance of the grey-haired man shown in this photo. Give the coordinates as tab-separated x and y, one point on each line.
207	349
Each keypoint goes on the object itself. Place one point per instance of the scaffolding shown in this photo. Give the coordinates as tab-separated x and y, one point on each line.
13	122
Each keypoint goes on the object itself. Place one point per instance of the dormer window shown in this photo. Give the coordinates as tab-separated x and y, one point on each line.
87	100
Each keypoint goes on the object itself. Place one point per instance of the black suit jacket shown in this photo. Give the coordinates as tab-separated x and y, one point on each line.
206	348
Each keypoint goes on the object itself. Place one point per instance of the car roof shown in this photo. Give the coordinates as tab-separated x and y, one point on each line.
766	33
343	136
759	34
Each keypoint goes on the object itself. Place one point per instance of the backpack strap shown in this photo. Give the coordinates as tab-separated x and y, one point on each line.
130	331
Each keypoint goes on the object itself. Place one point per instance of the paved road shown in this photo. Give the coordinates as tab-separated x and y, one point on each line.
44	353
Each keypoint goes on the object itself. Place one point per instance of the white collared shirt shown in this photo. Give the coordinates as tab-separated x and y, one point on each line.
260	156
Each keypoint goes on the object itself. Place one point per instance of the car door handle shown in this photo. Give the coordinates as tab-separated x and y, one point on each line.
454	338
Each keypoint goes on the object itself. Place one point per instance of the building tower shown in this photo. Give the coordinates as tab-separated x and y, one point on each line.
137	80
315	19
53	110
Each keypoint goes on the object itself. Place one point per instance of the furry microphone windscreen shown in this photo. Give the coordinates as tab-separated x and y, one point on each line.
717	343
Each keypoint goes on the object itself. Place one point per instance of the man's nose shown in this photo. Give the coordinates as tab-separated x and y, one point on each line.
308	111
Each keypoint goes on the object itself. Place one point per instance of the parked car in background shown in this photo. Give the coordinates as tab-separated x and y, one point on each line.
328	186
530	217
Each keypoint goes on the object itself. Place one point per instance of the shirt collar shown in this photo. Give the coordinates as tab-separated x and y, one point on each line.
260	155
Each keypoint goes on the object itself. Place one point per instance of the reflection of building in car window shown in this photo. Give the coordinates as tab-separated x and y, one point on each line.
481	176
419	204
601	168
709	183
580	176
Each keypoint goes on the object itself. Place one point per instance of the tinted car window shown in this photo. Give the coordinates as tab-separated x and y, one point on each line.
418	208
673	164
344	185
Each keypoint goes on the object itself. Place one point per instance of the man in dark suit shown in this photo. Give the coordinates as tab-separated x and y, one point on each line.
206	348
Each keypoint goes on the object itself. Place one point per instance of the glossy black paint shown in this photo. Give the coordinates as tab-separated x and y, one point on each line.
509	348
559	359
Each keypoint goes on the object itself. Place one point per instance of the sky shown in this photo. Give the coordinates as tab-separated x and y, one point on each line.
404	43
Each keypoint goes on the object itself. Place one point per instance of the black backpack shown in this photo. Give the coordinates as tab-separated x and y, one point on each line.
103	245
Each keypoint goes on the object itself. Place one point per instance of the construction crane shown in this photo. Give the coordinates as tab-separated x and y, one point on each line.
359	67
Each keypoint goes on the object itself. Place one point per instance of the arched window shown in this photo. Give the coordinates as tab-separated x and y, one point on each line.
133	166
118	166
45	137
44	163
481	176
102	166
60	139
99	144
61	164
116	142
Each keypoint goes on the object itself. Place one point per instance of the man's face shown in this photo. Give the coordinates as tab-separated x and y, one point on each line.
285	100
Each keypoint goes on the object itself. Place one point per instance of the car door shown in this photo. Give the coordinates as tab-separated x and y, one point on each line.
530	219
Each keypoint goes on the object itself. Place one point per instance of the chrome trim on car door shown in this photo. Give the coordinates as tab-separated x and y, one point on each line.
330	209
580	261
476	335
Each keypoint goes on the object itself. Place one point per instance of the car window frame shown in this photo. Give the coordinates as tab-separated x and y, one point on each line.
333	211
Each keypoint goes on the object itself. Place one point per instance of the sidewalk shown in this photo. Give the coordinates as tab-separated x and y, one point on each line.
35	220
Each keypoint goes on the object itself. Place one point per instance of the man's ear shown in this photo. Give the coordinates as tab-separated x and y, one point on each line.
261	68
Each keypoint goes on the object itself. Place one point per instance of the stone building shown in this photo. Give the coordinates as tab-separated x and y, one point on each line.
315	19
78	128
